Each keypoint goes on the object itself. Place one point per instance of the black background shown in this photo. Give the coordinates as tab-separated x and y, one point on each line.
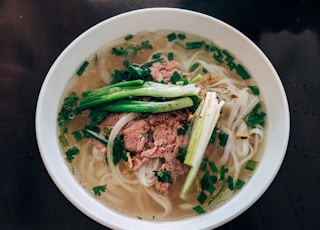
34	32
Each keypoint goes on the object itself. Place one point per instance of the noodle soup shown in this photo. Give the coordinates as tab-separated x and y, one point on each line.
131	152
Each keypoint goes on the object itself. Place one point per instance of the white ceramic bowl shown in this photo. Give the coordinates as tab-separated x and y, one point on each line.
179	20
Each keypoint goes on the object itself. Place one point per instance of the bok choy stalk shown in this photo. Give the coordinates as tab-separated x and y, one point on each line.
200	136
113	93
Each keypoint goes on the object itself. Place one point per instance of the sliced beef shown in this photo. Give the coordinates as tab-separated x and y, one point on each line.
163	72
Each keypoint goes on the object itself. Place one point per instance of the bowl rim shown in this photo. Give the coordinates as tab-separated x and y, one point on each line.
69	182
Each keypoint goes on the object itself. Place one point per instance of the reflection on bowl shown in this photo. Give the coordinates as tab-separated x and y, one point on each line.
248	61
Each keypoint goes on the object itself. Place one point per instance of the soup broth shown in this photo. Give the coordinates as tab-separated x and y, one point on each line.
229	160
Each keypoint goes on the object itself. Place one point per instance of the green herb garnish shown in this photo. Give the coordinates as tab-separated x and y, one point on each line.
99	189
82	68
251	165
71	153
163	176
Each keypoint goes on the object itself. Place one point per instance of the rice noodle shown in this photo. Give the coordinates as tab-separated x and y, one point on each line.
114	132
145	174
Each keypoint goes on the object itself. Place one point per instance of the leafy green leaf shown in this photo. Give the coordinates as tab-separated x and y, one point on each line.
99	189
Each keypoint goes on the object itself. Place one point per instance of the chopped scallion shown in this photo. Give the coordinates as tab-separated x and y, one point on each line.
251	165
82	68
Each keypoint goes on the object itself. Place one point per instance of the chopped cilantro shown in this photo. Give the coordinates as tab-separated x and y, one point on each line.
239	184
182	151
202	197
99	189
206	183
163	176
177	77
223	137
181	131
213	167
71	153
77	135
119	152
256	117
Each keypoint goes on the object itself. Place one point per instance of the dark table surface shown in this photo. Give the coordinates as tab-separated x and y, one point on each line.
33	33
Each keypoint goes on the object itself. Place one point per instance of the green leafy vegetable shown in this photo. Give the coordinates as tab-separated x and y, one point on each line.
71	153
119	152
97	190
238	185
256	117
77	135
181	156
163	176
202	198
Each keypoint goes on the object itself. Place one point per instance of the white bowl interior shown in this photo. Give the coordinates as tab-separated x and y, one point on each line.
179	20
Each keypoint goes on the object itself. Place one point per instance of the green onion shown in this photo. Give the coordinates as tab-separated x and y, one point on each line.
199	209
63	140
194	45
170	56
202	198
242	72
251	165
95	135
171	37
128	37
137	106
77	135
82	68
156	56
255	90
181	36
148	89
202	129
194	67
